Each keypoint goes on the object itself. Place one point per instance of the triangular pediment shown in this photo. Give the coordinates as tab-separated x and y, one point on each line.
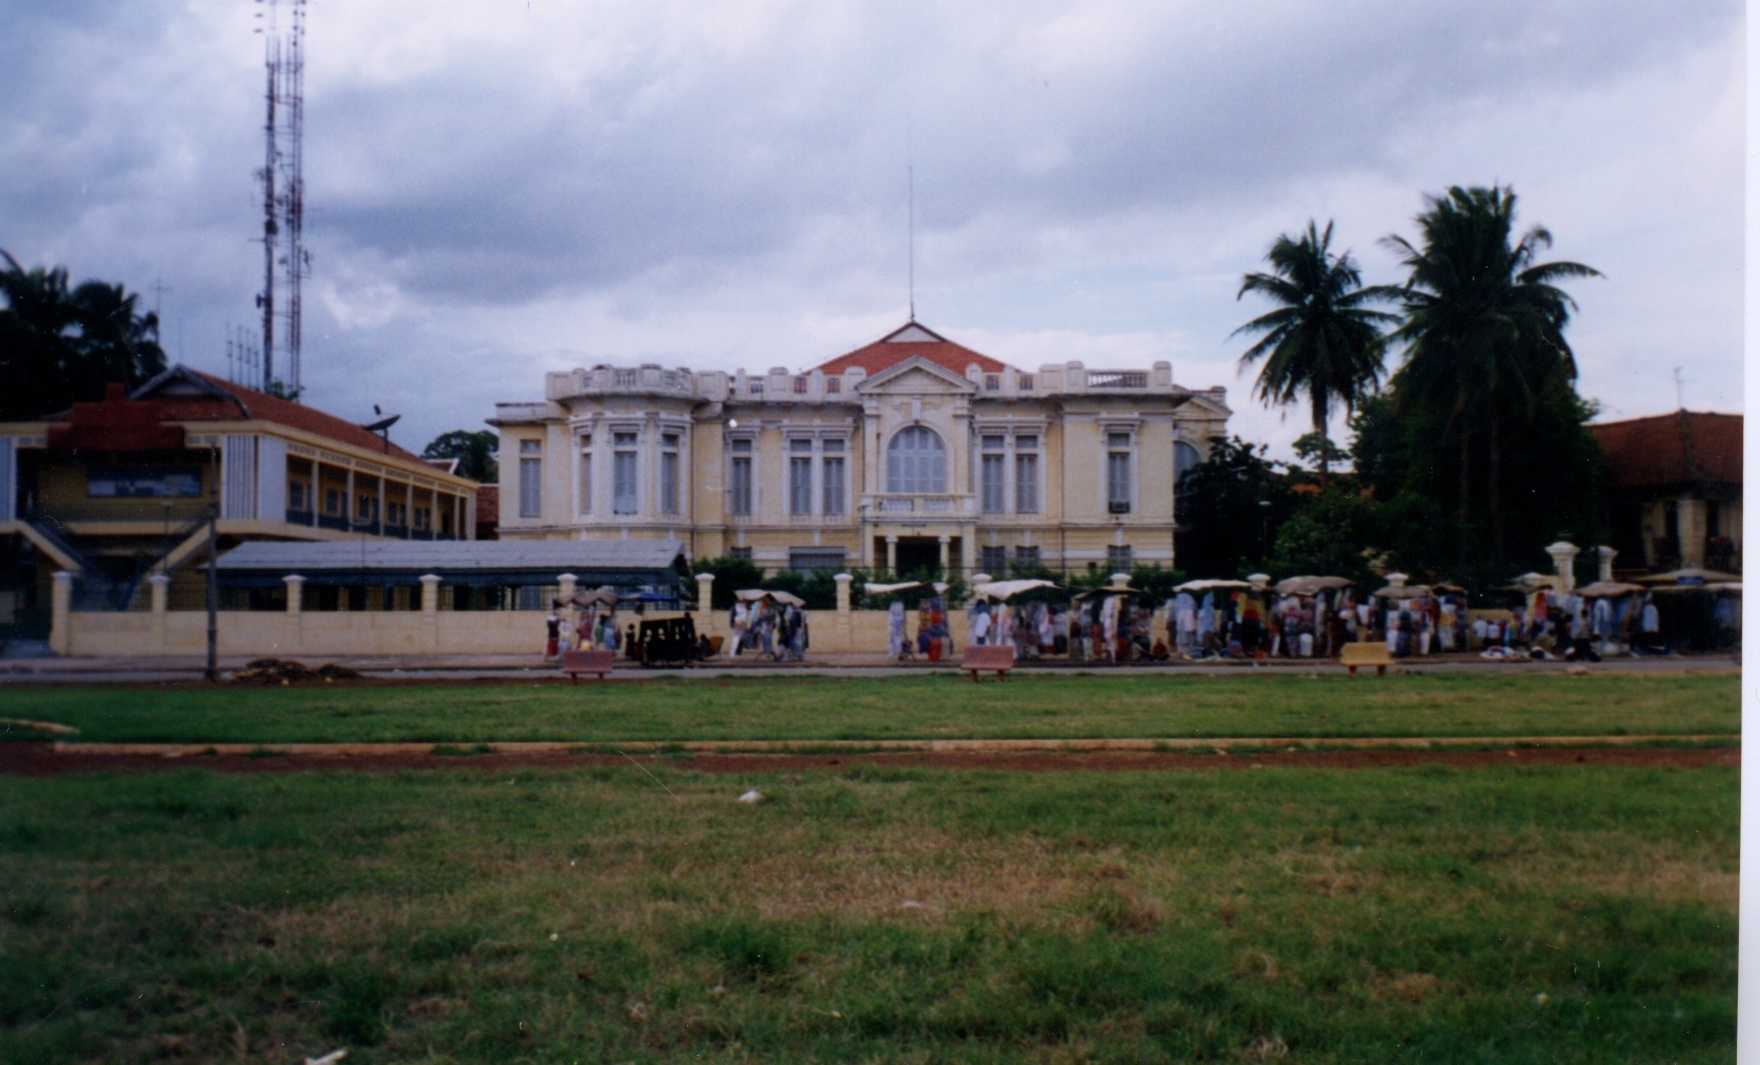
916	375
912	333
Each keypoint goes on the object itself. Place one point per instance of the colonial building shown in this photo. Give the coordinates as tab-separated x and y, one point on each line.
910	454
1674	489
118	490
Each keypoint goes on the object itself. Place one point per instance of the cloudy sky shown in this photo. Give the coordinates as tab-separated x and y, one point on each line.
503	187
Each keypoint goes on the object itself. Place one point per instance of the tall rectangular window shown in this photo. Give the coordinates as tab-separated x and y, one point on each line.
531	478
586	475
1026	474
800	477
993	560
669	473
623	473
1027	557
992	468
1118	558
831	499
1118	473
739	478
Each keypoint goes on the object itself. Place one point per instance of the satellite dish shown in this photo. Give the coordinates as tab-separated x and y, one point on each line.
382	427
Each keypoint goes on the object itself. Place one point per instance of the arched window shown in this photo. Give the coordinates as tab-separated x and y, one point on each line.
916	462
1185	456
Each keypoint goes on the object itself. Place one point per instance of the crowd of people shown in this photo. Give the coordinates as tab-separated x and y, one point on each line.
768	628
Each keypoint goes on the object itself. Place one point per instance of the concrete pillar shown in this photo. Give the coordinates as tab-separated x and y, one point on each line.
430	611
1690	520
1607	555
892	555
945	540
708	618
565	584
61	613
159	584
1563	555
843	624
293	636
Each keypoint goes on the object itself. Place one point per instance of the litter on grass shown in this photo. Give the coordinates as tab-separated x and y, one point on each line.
752	796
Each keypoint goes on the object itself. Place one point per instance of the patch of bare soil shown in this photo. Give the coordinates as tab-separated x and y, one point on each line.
41	759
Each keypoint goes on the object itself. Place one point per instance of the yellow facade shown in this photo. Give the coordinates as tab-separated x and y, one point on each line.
912	467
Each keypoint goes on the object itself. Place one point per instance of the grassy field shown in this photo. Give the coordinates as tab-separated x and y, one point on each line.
1505	915
937	706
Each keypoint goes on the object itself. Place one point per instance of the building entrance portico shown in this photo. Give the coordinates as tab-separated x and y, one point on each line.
915	552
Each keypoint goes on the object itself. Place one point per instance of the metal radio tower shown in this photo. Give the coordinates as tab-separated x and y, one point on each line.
285	259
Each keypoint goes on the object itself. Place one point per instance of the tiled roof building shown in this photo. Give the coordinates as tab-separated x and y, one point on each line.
1675	489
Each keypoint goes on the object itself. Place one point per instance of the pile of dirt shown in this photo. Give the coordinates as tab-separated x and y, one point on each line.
287	671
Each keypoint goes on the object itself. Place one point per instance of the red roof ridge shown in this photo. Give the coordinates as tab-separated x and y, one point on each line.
263	406
887	352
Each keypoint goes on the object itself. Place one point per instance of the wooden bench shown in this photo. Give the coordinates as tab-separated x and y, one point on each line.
987	659
1366	654
574	663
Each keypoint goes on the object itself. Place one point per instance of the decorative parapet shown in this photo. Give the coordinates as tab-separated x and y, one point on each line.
777	385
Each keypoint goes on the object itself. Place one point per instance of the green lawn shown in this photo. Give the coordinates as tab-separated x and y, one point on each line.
1507	915
919	707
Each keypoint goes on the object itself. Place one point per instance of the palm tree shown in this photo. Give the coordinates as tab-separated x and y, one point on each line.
59	346
1483	329
1323	339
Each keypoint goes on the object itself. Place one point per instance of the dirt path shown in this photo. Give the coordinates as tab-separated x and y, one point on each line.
42	759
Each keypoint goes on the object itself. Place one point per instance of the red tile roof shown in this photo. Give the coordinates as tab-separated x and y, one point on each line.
887	352
238	403
1672	449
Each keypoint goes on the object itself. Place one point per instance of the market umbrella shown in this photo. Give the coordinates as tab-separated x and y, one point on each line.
1448	589
752	595
1403	591
1692	574
1207	583
589	597
1608	588
1007	589
1113	589
1310	585
887	589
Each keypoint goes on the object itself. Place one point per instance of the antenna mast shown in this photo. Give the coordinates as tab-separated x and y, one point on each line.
285	259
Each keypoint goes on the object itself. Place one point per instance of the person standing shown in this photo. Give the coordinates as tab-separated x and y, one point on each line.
552	634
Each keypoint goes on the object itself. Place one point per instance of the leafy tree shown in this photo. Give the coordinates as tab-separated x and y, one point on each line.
1332	535
59	347
731	575
1230	507
1483	332
1319	452
1323	339
477	453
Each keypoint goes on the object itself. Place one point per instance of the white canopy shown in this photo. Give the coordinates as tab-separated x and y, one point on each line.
887	589
1310	585
752	595
1691	574
1006	589
1207	584
1403	591
1608	588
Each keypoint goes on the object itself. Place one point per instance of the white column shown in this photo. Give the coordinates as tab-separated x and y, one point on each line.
842	623
1607	555
892	554
160	585
430	611
61	613
295	592
706	612
945	540
1563	554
